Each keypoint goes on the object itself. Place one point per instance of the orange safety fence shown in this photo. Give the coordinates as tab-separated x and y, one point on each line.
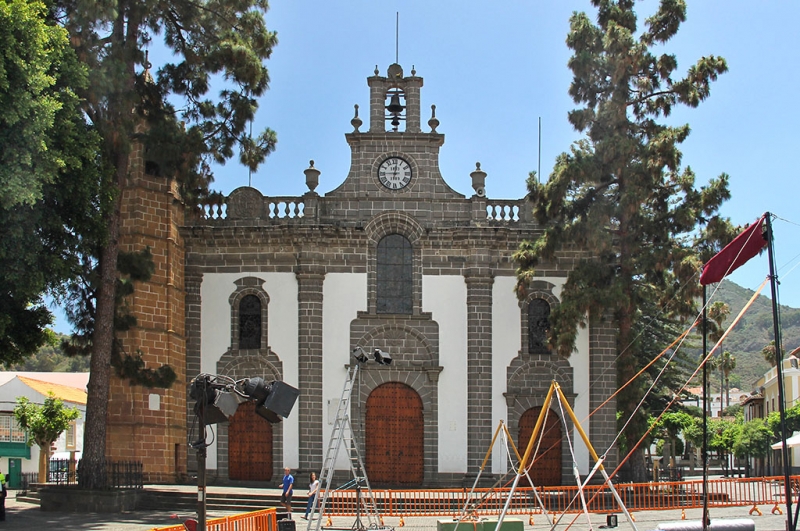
661	495
263	520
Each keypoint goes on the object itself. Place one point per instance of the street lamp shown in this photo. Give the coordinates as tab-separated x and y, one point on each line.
216	400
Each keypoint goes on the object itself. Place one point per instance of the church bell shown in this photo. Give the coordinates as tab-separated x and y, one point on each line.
394	106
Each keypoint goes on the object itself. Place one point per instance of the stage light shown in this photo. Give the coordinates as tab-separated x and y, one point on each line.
358	355
212	404
274	401
383	358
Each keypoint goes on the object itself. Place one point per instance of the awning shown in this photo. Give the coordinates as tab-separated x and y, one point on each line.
791	442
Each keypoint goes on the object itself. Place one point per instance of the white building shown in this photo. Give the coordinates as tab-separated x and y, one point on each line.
18	456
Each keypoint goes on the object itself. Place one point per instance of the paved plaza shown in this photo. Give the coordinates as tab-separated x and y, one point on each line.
26	516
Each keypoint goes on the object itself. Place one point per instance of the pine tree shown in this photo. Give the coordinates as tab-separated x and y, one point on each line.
222	39
621	195
51	179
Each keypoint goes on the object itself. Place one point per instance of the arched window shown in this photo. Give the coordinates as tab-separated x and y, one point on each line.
538	325
394	275
250	322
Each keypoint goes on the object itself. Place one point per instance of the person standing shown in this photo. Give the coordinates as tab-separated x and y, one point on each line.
313	488
3	494
286	494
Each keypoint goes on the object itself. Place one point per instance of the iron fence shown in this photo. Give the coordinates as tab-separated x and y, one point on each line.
117	474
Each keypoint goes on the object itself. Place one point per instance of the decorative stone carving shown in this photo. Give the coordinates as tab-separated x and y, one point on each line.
312	176
245	203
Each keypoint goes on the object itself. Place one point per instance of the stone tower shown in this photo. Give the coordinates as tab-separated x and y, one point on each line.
149	425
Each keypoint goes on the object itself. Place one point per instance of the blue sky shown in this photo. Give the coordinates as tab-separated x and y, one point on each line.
493	69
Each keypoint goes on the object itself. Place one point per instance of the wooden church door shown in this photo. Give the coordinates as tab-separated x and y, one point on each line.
546	470
249	445
395	434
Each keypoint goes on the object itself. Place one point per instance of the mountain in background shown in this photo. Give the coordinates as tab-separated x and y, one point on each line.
753	332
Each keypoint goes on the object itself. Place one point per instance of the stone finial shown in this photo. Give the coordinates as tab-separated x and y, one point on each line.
356	121
479	180
413	71
377	72
433	122
312	176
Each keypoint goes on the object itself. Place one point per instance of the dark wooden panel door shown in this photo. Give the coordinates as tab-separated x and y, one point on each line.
395	434
249	445
546	470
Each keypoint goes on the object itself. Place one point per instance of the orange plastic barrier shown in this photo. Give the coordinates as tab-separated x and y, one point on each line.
263	520
636	497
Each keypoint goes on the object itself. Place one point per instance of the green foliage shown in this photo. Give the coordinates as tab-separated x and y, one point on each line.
50	179
734	410
754	439
31	51
50	358
792	421
722	434
44	423
621	195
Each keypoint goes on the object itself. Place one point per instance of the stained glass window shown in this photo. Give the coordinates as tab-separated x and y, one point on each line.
250	322
394	275
538	325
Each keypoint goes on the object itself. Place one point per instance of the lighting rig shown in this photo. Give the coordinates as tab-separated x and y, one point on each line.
216	400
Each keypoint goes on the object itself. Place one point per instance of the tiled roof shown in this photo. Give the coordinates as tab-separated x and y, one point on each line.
64	392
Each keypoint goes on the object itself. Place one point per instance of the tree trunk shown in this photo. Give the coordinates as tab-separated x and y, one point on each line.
44	462
92	474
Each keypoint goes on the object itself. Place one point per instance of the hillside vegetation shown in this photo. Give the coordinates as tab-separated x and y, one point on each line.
50	358
753	333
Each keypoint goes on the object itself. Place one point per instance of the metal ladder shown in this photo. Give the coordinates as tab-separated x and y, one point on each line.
343	433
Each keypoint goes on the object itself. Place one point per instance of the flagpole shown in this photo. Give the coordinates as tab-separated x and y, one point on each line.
776	326
705	419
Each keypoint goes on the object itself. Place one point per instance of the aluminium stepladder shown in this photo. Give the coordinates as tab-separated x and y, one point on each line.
342	435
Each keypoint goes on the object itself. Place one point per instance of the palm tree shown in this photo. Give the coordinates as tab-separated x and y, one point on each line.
769	353
727	363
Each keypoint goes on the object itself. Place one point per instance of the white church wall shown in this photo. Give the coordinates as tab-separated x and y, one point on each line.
580	373
343	296
215	292
445	297
506	344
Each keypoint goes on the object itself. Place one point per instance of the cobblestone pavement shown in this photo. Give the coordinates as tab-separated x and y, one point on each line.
25	516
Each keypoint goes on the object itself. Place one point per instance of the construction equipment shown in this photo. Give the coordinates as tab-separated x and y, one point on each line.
342	436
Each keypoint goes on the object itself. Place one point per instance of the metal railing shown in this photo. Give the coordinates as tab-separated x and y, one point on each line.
117	474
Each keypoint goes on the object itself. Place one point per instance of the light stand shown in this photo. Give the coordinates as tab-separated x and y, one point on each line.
217	398
201	485
358	525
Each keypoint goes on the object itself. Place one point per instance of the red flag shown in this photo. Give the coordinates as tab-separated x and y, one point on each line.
744	247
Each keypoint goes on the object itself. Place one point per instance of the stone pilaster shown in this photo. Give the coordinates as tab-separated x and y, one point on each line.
309	304
603	371
479	368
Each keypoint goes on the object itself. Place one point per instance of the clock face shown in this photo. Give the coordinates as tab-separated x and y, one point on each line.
394	173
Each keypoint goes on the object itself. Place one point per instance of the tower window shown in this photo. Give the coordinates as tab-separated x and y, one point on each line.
538	325
394	275
250	322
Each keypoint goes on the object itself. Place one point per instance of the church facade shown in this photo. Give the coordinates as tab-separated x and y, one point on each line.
392	259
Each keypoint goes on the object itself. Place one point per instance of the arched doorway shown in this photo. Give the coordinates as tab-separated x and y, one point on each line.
249	445
546	470
395	434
